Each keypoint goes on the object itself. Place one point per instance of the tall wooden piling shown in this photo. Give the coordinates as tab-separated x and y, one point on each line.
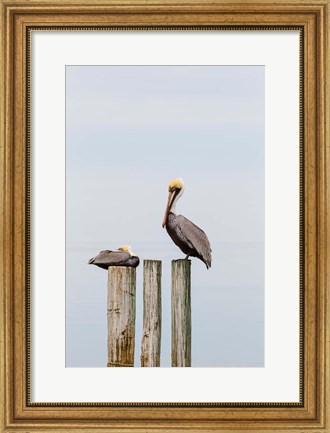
152	313
181	313
121	316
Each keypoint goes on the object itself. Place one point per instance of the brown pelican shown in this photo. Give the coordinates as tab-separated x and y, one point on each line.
124	256
185	234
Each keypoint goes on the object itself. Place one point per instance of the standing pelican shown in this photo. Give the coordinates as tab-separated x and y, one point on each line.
124	256
185	234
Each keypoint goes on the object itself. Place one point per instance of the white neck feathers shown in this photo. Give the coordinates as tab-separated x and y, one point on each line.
173	207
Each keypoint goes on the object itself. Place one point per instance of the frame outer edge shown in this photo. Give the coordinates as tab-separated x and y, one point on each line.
322	173
326	378
2	207
6	397
324	142
323	219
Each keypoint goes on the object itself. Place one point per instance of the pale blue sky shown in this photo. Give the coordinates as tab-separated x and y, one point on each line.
129	131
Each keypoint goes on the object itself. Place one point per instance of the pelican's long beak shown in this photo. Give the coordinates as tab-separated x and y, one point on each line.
168	207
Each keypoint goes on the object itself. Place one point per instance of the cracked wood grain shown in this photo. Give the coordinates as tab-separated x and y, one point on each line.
121	316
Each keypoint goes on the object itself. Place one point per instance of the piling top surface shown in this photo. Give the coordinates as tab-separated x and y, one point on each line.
121	268
181	264
151	260
181	260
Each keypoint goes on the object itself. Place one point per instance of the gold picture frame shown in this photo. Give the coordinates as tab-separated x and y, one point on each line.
17	412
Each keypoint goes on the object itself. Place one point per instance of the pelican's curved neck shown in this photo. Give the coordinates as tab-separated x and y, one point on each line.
173	206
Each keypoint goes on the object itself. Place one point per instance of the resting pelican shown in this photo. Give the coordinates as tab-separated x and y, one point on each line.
185	234
124	256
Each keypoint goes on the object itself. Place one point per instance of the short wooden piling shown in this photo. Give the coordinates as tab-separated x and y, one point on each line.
181	313
152	313
121	316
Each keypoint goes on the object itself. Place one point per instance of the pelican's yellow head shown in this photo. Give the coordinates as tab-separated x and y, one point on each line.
175	190
176	183
126	249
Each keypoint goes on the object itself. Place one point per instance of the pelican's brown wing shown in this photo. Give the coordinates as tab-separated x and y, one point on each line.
108	258
197	238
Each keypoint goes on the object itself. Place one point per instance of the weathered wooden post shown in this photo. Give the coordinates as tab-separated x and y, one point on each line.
152	313
181	313
121	316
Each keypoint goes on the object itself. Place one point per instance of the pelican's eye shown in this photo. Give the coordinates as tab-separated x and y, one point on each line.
175	188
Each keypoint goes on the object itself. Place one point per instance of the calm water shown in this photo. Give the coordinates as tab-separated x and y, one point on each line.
227	305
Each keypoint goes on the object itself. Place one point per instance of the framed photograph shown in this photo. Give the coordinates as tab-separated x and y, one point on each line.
164	181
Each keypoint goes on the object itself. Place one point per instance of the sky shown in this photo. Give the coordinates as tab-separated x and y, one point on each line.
129	131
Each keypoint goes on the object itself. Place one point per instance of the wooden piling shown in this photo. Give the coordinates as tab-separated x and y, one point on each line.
181	313
121	316
152	313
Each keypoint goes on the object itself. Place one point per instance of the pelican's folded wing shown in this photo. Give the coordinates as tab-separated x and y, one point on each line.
108	258
196	237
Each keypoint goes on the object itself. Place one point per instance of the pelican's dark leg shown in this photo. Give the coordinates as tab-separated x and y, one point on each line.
187	257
